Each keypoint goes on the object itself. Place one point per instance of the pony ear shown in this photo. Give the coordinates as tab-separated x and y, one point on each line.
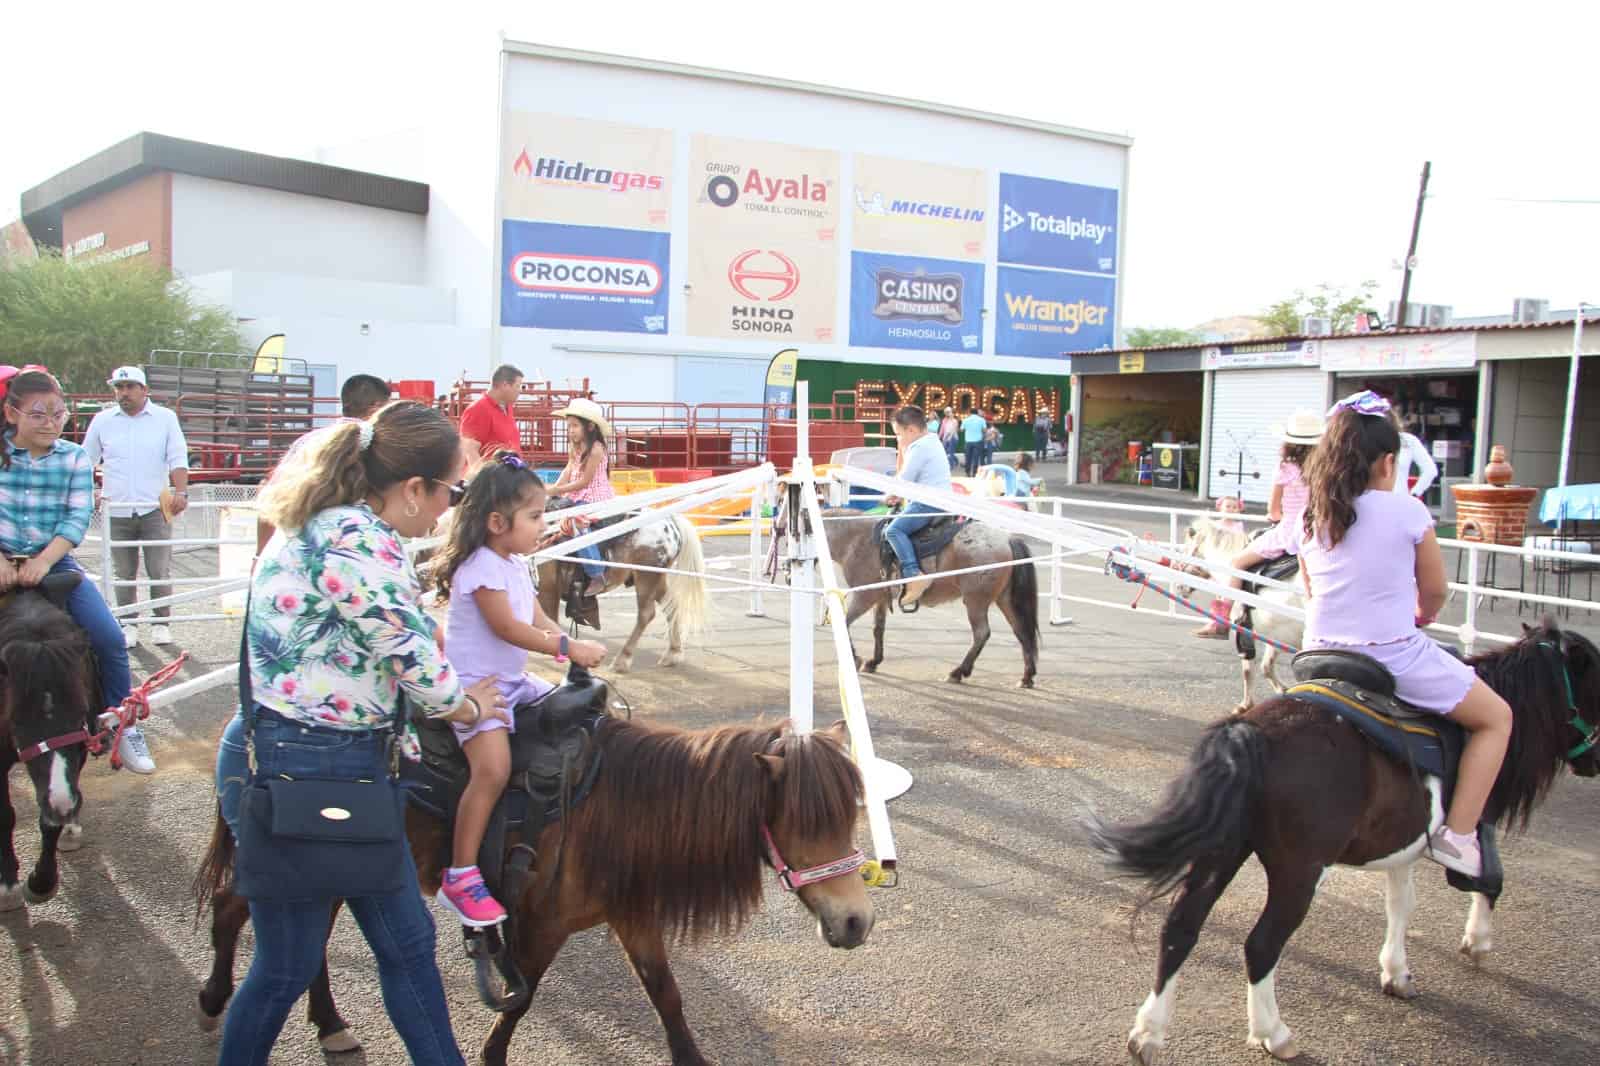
773	764
840	731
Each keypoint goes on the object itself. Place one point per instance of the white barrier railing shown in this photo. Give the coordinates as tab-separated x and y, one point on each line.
136	611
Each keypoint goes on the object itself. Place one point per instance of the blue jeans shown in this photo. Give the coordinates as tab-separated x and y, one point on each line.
974	455
899	531
290	935
88	608
594	569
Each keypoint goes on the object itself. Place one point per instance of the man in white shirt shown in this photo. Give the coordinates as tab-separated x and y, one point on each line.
142	451
925	463
1413	452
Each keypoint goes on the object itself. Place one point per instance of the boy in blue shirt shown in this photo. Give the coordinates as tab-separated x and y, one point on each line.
924	464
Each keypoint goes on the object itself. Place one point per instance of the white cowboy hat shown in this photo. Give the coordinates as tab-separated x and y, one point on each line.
589	411
1303	427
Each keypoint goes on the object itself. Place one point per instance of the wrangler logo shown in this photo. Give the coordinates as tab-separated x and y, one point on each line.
1070	315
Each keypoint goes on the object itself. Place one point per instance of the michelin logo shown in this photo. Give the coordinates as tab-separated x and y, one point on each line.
1071	228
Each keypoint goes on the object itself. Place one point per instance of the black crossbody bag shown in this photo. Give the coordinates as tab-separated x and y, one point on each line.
315	838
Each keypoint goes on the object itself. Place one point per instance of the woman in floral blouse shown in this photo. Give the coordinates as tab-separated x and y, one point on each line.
336	635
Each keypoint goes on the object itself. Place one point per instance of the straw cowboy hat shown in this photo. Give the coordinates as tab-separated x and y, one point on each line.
589	411
1303	427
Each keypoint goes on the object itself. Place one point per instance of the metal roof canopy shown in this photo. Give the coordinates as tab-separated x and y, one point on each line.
571	55
146	153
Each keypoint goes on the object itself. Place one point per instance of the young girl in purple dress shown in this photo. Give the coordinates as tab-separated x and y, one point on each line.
1374	577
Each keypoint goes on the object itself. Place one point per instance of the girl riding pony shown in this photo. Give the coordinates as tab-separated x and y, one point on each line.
586	478
493	622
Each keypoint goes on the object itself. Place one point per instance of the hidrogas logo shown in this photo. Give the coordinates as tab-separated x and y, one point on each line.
549	169
561	273
762	276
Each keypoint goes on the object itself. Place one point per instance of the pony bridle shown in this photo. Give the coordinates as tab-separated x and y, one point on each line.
1589	733
793	880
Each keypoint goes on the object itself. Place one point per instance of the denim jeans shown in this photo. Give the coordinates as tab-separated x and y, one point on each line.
88	608
290	935
974	456
899	531
594	569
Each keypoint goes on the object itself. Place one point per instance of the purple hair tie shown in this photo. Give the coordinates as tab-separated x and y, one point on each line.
513	461
1365	402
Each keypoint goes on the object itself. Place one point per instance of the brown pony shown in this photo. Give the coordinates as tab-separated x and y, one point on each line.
1293	785
670	845
1015	589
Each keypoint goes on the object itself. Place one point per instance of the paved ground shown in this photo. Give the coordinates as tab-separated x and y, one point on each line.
1006	942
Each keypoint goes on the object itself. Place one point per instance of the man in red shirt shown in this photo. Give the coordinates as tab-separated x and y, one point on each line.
488	422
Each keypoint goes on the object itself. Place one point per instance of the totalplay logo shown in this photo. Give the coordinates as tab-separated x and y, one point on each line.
1009	219
1071	228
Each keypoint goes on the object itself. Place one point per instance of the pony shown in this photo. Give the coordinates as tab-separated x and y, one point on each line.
1295	786
1014	589
673	545
47	694
670	845
1207	539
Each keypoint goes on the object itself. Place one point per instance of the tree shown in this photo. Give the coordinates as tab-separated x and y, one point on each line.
1158	337
1284	318
84	319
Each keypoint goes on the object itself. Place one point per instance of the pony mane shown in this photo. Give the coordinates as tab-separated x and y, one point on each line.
1528	676
43	653
672	829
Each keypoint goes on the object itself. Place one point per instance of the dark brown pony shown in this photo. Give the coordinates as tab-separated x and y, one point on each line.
1014	589
669	846
1291	784
47	682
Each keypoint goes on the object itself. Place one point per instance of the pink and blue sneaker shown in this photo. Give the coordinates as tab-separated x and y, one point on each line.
462	890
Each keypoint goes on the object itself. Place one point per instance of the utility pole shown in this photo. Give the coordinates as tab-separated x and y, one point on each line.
1411	252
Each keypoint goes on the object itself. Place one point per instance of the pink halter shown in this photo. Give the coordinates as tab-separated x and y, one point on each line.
792	880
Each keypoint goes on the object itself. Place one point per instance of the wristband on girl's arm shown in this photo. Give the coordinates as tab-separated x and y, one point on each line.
561	649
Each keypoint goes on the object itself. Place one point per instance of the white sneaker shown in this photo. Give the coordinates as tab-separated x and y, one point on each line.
130	636
162	636
1459	853
135	751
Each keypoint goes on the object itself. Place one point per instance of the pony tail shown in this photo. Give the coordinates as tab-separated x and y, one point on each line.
331	472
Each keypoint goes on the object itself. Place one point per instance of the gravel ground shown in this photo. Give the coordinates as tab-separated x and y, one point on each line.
1005	943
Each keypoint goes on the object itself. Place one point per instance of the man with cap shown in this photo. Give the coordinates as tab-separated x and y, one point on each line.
145	481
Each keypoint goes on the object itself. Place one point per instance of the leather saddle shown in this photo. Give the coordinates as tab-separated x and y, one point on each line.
584	610
1360	691
927	542
554	764
1284	568
57	587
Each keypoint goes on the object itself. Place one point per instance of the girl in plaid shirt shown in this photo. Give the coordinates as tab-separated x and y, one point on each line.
46	499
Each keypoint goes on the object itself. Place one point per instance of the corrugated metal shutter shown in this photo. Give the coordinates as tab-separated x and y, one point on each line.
1245	406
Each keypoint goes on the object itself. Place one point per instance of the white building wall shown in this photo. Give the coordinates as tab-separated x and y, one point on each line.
220	225
464	249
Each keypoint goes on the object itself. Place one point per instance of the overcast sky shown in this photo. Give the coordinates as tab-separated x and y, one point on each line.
1277	145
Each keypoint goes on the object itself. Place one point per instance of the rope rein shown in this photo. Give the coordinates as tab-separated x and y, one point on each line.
134	709
1128	572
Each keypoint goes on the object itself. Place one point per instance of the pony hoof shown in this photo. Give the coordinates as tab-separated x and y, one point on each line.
11	898
1143	1050
869	668
621	666
1241	708
1026	682
954	677
1283	1047
670	660
1473	953
340	1043
1402	987
71	837
207	1022
35	898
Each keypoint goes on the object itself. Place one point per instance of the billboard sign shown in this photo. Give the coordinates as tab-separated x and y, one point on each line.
1046	313
918	208
1058	224
929	304
581	171
583	277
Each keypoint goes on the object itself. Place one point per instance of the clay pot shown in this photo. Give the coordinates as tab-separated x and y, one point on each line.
1498	470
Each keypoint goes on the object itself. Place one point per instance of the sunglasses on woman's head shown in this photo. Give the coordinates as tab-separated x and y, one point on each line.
458	491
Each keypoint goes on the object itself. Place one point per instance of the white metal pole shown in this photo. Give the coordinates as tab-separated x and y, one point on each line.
802	555
107	576
1469	627
758	499
1572	395
1172	539
1056	557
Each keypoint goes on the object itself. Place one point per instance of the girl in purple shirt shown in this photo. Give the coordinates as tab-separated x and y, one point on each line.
494	621
1374	577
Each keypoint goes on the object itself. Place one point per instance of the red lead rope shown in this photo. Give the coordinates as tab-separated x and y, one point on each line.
134	709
